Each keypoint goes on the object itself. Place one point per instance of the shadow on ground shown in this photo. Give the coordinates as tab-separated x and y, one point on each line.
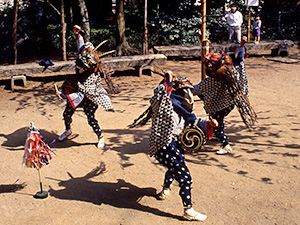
16	140
8	188
120	194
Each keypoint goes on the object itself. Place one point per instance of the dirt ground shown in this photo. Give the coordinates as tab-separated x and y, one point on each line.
258	183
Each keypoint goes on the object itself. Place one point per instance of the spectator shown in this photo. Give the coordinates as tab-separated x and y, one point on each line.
256	29
234	20
79	38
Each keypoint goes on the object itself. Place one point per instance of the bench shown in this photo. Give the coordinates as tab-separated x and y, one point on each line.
139	62
20	71
17	77
278	48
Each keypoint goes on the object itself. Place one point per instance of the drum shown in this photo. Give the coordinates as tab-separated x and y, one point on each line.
192	138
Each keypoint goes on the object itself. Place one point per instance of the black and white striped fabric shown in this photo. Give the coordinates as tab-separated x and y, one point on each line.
92	88
162	121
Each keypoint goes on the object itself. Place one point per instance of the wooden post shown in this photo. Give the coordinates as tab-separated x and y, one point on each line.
63	31
204	42
145	39
249	24
14	36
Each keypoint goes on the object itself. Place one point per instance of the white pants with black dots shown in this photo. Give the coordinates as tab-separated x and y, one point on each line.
89	109
172	157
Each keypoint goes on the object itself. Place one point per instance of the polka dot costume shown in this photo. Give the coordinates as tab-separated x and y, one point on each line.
219	130
89	109
163	144
172	158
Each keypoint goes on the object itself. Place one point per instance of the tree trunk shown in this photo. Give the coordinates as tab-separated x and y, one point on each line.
123	47
85	19
14	35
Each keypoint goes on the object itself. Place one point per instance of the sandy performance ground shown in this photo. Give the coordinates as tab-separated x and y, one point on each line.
257	184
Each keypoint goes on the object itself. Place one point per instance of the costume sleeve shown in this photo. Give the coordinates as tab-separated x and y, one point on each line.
158	93
63	96
196	91
163	89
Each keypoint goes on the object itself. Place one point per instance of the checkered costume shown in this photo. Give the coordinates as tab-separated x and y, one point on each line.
89	78
215	95
218	102
162	121
215	92
92	88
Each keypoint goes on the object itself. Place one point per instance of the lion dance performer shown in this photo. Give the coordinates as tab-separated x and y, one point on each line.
221	91
171	111
87	91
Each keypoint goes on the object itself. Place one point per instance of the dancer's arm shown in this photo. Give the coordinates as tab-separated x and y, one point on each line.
58	93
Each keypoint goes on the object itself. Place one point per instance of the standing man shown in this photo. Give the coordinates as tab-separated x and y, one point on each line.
235	20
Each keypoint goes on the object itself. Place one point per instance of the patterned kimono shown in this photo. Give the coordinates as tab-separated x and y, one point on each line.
162	120
89	78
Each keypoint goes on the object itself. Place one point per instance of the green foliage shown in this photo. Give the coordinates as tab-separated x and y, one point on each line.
54	35
175	29
284	26
99	35
134	38
216	25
